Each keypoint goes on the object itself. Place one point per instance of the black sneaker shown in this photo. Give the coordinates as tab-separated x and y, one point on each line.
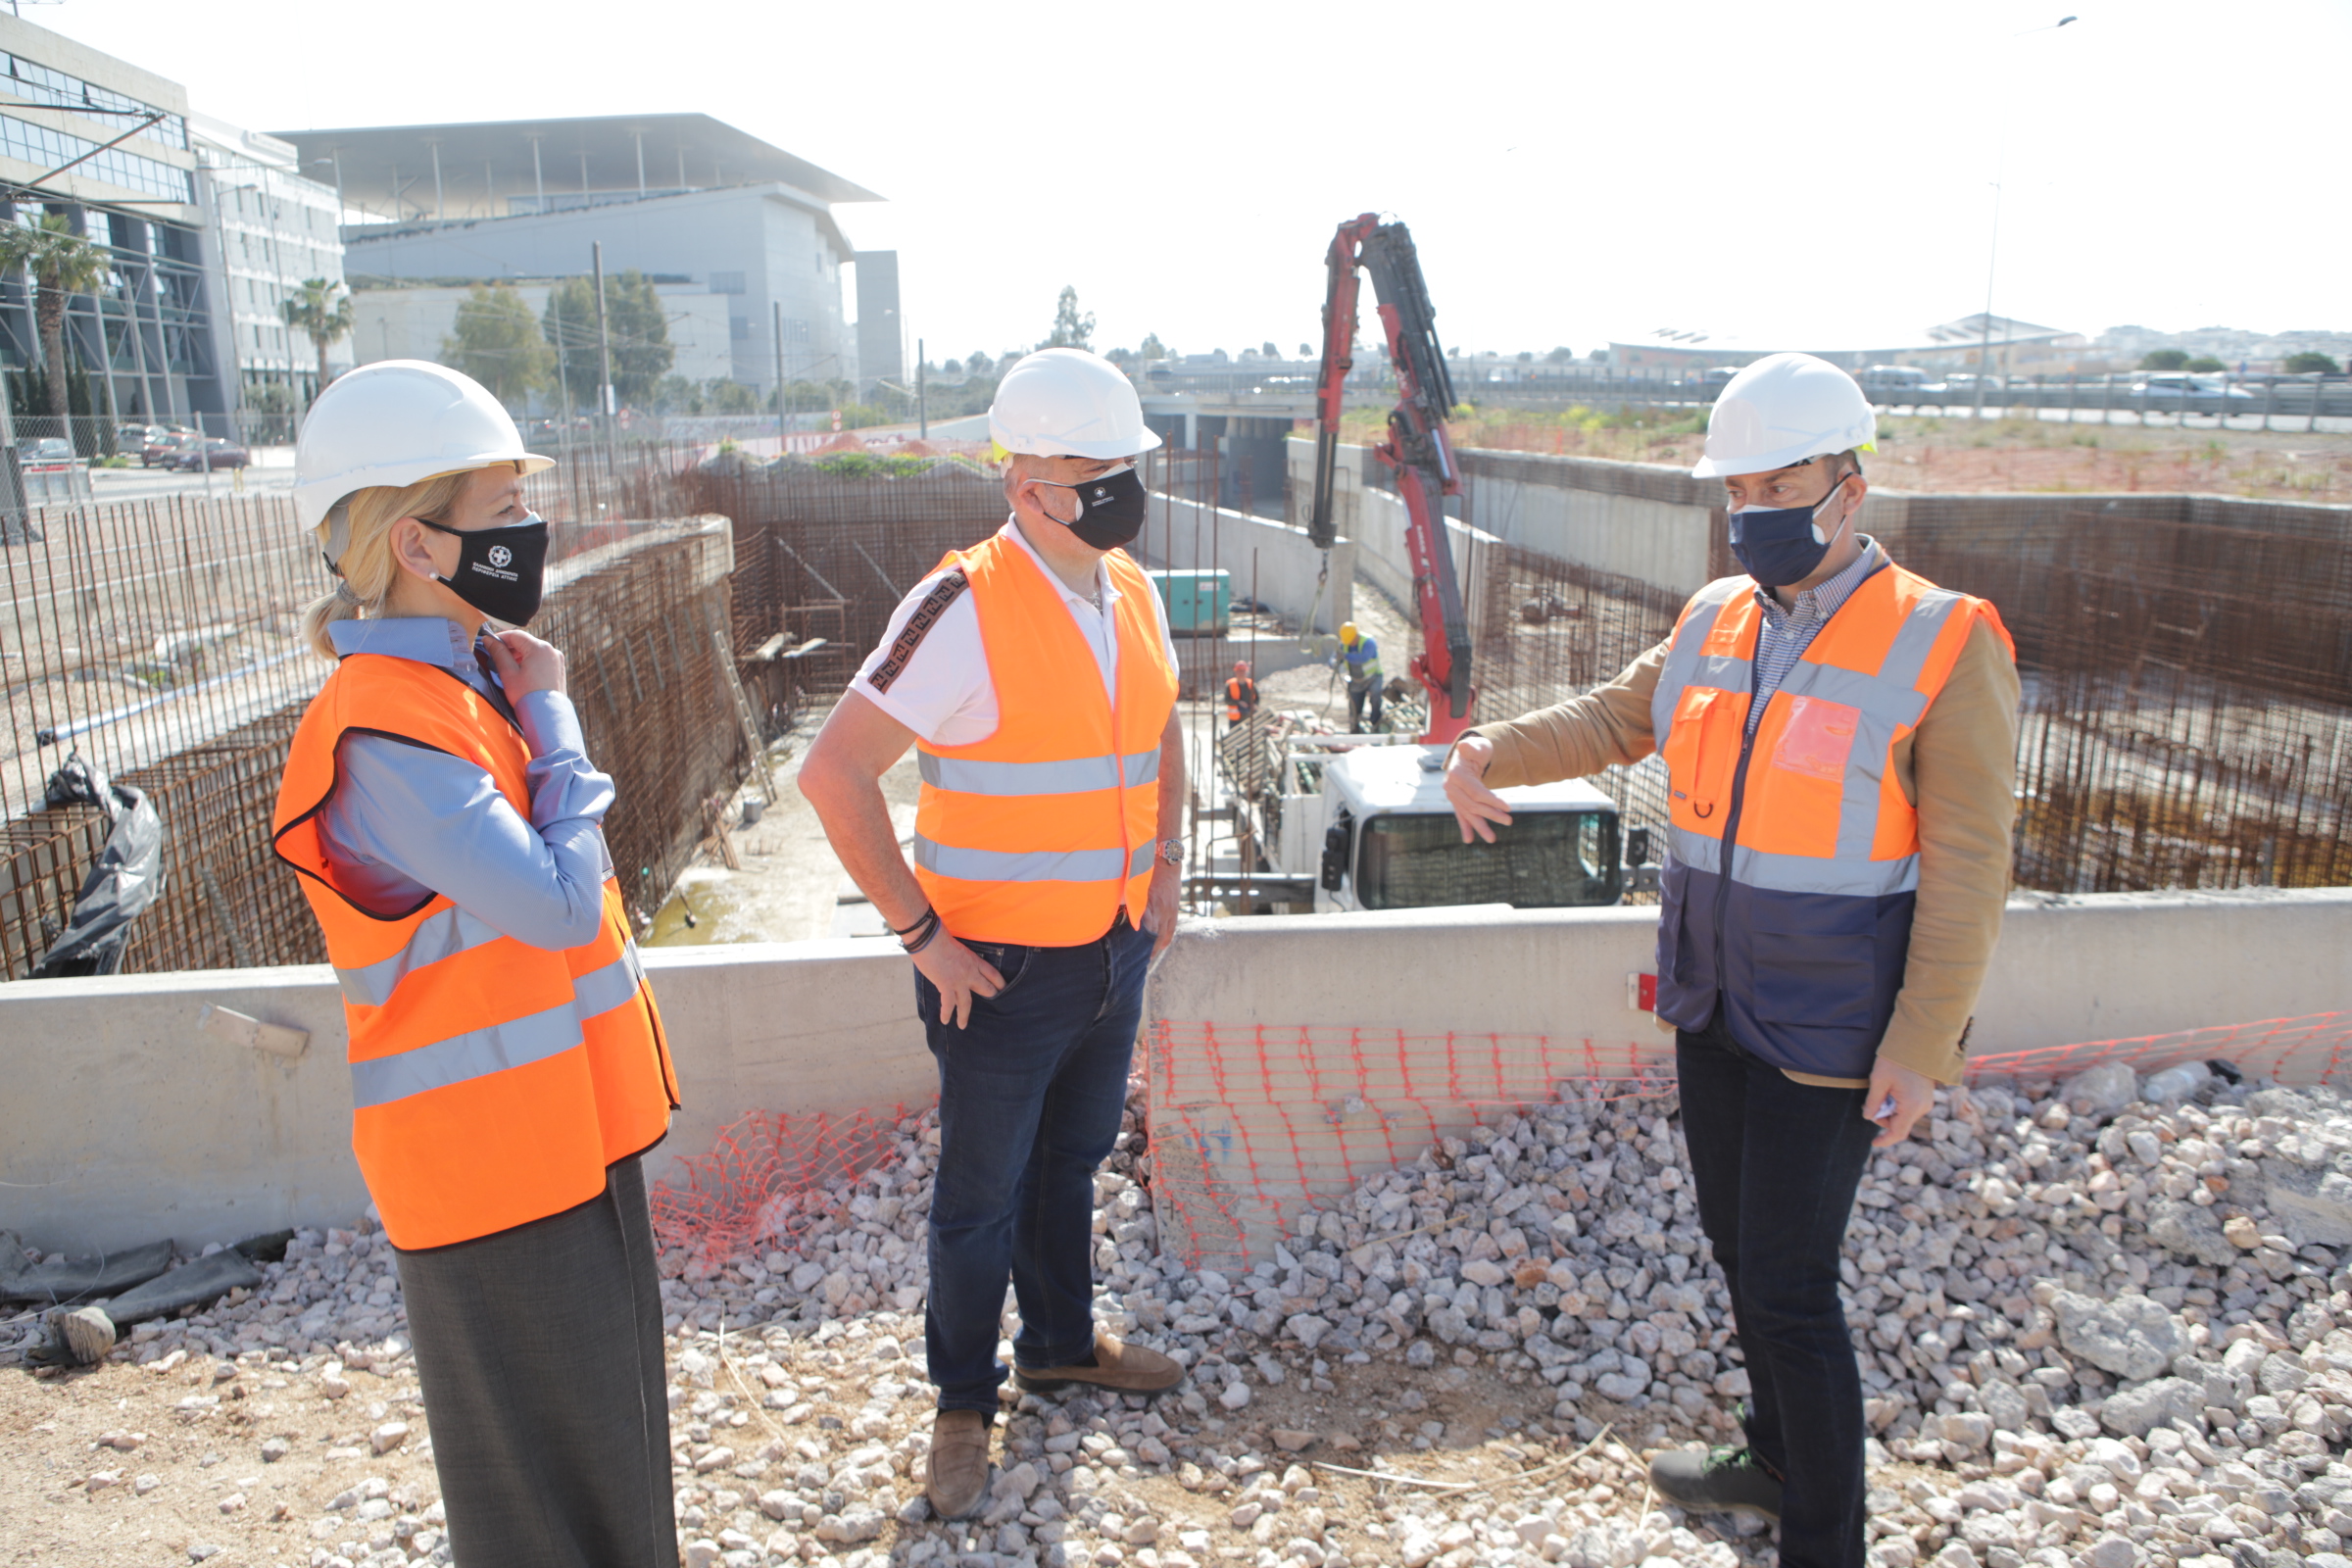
1716	1481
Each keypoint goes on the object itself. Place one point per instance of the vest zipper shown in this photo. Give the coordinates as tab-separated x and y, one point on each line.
1731	837
1120	771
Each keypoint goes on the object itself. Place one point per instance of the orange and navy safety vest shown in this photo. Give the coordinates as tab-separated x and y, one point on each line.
1803	933
1041	833
1241	698
492	1081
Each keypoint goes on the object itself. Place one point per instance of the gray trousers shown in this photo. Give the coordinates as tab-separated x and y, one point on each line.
540	1352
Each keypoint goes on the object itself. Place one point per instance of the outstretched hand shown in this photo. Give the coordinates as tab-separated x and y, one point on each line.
1476	808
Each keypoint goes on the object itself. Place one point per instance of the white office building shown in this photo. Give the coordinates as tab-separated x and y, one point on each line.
270	229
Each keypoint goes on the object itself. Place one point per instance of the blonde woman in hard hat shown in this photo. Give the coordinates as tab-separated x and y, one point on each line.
1840	737
507	1062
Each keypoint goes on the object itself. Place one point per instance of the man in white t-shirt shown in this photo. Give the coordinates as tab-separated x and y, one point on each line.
1036	677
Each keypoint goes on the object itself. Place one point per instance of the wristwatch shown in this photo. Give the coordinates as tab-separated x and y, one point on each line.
1171	850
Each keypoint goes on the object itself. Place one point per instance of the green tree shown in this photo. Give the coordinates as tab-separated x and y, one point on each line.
498	344
2164	359
978	363
1559	355
2309	360
2204	364
62	263
1122	357
635	323
1153	349
322	310
1070	329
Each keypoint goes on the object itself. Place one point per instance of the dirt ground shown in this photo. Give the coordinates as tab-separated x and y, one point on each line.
266	1462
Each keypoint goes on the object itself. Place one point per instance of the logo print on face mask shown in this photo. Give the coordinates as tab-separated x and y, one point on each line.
500	556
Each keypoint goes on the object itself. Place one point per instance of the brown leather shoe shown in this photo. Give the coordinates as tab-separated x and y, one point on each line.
958	1467
1120	1367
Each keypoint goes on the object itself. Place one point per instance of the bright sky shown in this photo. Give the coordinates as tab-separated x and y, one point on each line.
1814	169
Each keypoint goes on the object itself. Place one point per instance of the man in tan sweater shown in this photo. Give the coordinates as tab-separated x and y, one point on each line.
1841	738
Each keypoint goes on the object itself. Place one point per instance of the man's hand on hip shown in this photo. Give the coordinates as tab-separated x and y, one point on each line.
960	975
1160	908
1476	807
1897	1097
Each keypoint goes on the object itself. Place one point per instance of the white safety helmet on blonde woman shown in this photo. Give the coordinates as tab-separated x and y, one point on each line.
393	423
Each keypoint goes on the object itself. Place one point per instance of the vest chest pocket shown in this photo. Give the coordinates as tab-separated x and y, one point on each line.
1702	754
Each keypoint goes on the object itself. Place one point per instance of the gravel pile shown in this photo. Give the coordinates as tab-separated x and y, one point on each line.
2092	1327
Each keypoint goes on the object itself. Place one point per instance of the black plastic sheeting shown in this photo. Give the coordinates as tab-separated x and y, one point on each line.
78	1279
192	1284
125	880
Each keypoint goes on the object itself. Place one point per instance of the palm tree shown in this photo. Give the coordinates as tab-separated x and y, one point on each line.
321	307
62	263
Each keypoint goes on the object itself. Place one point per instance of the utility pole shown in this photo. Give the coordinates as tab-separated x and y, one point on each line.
603	337
922	409
782	440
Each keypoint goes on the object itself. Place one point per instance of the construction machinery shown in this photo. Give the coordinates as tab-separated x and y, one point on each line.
1416	451
1329	821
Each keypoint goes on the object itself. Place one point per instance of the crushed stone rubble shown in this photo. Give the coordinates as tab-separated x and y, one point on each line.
2093	1328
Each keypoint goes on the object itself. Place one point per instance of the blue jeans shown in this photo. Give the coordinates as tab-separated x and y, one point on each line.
1775	1165
1029	1101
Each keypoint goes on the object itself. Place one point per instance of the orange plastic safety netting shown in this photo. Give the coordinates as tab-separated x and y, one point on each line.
2310	1049
772	1177
1252	1125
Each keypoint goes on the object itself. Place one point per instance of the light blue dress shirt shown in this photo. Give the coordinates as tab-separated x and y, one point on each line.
404	822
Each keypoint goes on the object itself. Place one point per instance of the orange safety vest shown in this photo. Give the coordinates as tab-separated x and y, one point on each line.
1804	934
1241	697
492	1081
1041	833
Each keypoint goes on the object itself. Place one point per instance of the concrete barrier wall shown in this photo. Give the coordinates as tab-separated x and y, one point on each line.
123	1121
1193	536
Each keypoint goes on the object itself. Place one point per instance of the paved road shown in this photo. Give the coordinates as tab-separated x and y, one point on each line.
273	472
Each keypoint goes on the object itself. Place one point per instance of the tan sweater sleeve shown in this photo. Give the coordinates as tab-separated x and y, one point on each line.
1579	737
1962	775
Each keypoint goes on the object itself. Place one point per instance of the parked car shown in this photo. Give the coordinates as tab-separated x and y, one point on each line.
48	454
2178	386
163	446
1895	383
131	438
208	454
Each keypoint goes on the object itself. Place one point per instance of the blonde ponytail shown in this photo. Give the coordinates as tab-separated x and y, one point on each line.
368	569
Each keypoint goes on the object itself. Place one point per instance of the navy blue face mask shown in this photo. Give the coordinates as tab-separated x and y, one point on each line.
1783	545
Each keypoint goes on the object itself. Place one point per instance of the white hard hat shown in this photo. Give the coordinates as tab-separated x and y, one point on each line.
394	422
1782	410
1067	403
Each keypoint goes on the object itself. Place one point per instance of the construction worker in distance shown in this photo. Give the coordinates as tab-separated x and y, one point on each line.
508	1063
1036	677
1240	695
1840	737
1361	656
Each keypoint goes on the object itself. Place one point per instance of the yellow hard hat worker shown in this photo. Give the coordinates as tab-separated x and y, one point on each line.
1348	634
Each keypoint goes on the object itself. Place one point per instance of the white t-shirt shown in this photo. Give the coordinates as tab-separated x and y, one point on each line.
941	690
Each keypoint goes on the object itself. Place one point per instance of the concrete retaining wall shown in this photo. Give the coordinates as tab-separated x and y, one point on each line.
1190	536
123	1120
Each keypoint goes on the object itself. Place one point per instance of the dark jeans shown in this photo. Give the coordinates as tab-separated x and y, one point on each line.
1357	697
1029	1101
1775	1165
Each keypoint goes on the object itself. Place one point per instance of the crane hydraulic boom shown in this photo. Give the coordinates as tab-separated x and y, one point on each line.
1416	450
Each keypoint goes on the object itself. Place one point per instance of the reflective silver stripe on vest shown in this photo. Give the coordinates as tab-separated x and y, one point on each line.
1686	666
1797	873
436	937
516	1043
1037	865
1079	776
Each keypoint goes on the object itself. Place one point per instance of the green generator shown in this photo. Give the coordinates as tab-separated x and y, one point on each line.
1199	602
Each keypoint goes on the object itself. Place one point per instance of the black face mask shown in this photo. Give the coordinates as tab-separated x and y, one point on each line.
1110	508
499	570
